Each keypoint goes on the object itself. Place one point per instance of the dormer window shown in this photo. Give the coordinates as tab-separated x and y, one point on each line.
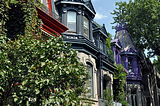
71	21
86	27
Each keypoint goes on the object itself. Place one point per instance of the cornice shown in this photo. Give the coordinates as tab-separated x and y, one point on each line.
76	3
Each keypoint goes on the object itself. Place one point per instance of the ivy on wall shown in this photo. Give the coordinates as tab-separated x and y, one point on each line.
19	17
119	80
108	46
35	72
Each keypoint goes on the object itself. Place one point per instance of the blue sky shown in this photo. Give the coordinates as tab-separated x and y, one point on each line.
103	9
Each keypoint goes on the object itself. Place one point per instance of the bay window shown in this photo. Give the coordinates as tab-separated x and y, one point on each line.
71	21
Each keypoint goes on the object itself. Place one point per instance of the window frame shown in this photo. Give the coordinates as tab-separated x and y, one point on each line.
91	80
130	68
74	22
101	45
86	27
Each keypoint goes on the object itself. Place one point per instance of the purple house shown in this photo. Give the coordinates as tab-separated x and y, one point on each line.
125	53
124	50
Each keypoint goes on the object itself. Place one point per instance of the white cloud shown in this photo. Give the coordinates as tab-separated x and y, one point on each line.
100	16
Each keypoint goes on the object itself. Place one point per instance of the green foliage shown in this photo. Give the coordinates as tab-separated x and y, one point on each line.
108	97
18	17
98	24
119	80
156	63
142	19
39	67
46	72
108	47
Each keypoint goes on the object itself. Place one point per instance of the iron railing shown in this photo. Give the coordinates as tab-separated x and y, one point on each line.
51	13
104	49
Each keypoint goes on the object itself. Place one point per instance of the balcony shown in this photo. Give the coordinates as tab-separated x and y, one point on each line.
51	13
51	21
80	39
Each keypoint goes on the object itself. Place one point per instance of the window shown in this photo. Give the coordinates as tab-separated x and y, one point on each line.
86	27
134	97
117	57
91	84
101	45
130	65
71	21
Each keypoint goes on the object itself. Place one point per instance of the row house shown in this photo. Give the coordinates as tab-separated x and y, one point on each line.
88	38
142	83
74	19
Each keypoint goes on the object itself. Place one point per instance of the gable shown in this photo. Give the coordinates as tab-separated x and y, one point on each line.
129	49
103	29
88	3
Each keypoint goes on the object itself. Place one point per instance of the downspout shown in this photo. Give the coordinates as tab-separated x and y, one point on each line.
49	7
100	73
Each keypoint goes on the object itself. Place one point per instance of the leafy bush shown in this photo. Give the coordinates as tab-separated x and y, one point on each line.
46	70
37	72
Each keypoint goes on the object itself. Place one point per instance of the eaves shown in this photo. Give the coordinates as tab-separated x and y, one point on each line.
75	3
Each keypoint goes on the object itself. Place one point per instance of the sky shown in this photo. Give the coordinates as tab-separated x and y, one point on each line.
103	9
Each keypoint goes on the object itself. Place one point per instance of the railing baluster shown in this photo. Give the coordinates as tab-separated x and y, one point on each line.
51	13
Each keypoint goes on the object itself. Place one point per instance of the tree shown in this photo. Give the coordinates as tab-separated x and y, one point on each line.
142	19
37	72
108	46
156	63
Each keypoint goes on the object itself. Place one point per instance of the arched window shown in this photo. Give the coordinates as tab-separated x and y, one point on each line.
71	21
86	27
91	82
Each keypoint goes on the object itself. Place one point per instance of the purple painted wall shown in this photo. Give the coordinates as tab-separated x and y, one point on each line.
128	55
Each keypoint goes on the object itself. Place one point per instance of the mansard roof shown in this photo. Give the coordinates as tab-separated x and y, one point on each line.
124	37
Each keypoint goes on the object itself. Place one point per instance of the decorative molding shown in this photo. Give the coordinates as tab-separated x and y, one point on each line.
64	10
65	5
79	7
